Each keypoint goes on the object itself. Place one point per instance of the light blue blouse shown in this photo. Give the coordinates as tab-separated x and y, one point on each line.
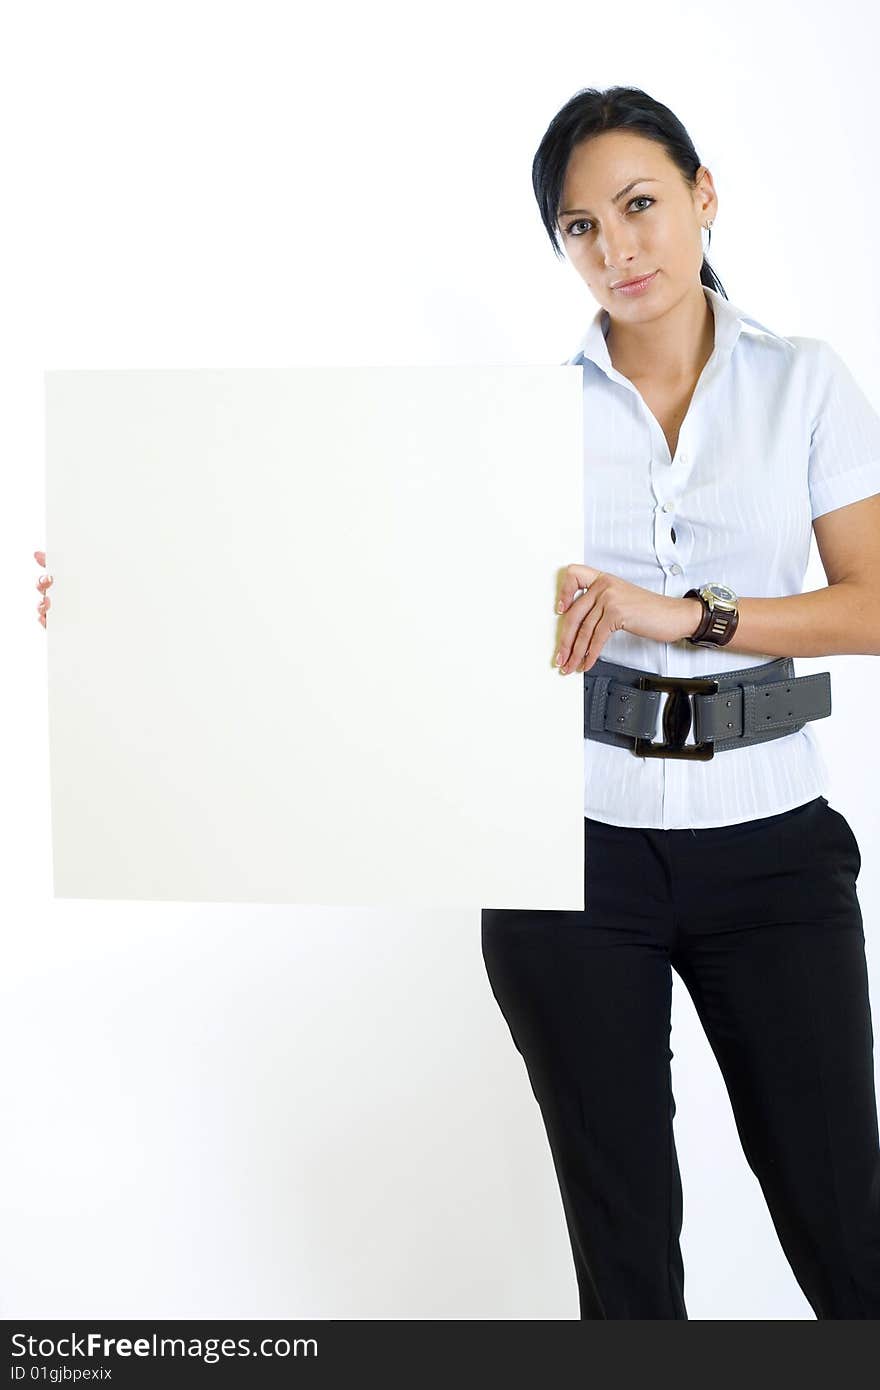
777	432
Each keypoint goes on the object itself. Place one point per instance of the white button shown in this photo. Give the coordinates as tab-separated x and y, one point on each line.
667	506
683	458
675	569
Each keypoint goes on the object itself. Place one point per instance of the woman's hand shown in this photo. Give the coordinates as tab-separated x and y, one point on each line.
43	584
610	604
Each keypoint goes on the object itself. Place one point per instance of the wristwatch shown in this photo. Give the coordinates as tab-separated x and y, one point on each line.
720	615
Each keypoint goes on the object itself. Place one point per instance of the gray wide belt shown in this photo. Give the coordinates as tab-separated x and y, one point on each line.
729	709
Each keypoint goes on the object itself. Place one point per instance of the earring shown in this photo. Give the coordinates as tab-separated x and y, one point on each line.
708	228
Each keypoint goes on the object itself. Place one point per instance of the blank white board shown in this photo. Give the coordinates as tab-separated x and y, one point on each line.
302	635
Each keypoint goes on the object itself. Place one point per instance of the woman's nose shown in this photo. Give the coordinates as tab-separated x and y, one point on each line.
619	257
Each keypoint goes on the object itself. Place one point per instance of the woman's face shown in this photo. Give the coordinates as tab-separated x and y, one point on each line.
654	225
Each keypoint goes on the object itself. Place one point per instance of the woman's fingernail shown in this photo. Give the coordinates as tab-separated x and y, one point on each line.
559	607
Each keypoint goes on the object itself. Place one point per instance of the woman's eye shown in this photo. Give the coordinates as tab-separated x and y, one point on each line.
639	198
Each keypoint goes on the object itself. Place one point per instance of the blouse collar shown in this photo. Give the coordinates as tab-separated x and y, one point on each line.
730	321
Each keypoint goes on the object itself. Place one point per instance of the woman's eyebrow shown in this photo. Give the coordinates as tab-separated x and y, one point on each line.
566	212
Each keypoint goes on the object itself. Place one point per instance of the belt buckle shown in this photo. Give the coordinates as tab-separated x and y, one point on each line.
677	718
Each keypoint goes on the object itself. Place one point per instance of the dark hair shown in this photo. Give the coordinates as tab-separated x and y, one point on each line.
589	112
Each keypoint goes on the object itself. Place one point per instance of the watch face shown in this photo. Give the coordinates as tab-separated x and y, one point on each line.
721	591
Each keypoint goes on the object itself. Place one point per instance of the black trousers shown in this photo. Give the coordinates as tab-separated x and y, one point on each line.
762	922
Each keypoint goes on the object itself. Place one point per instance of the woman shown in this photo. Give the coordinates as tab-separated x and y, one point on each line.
711	445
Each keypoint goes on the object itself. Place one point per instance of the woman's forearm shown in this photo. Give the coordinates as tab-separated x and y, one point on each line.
840	619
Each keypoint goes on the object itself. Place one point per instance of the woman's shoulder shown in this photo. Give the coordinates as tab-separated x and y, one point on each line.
812	350
825	368
778	357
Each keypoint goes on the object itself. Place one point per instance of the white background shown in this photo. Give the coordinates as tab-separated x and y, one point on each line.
267	1112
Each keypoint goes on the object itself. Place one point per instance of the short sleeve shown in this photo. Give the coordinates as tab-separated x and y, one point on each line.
844	464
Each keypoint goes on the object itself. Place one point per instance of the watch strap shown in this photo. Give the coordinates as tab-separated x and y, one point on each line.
717	625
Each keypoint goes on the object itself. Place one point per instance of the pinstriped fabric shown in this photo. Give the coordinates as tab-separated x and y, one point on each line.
777	433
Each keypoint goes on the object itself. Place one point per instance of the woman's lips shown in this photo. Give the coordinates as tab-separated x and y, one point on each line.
636	286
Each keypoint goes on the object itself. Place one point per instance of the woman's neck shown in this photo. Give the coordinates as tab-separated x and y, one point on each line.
668	350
